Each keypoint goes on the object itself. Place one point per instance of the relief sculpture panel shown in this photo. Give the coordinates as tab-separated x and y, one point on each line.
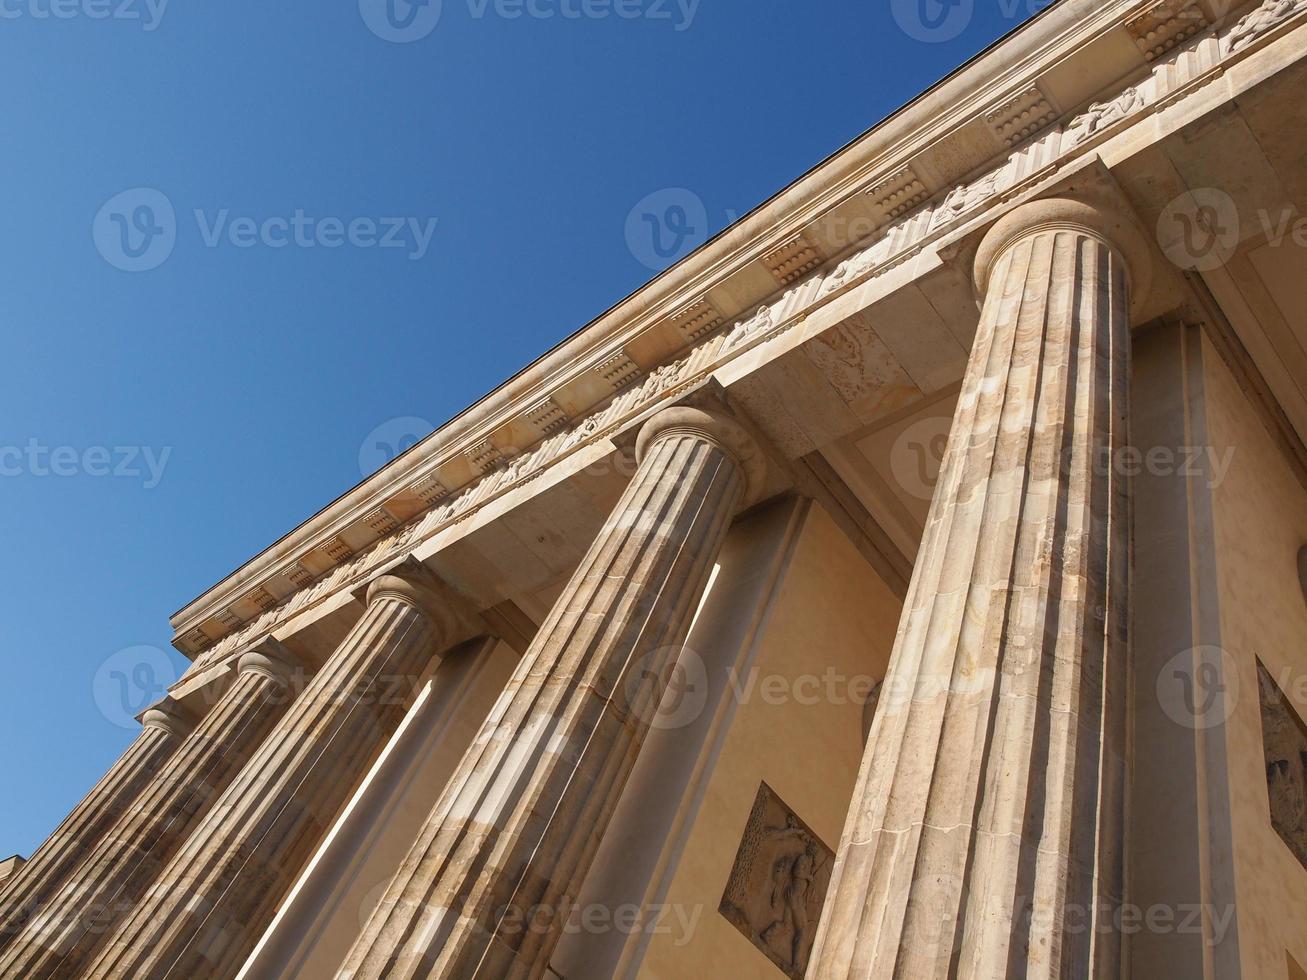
778	883
1284	738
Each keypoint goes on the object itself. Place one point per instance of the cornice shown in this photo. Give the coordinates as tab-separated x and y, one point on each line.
512	434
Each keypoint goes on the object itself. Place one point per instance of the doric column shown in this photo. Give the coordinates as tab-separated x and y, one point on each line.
984	836
517	825
211	902
162	729
60	936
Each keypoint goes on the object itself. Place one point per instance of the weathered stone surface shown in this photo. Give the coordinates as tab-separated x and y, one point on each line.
49	867
486	886
62	934
211	902
986	814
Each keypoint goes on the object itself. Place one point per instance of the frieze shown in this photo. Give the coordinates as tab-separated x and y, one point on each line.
1184	67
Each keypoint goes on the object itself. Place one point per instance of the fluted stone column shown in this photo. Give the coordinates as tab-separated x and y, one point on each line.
984	836
59	937
213	900
517	825
162	729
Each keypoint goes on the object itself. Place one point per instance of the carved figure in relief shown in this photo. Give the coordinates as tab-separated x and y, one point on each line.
1100	115
965	197
760	322
1258	22
778	884
793	873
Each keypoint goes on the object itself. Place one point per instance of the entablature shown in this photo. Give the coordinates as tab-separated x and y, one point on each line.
872	219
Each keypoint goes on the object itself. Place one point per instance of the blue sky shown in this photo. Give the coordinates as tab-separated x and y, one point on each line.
398	207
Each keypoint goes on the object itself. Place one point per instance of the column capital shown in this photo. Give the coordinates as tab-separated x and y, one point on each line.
715	427
412	584
272	659
169	716
1111	223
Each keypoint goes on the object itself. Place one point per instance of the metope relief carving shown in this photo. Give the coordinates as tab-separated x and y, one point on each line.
1284	740
778	883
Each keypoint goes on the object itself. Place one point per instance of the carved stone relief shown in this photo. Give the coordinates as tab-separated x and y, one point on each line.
858	365
1284	739
778	883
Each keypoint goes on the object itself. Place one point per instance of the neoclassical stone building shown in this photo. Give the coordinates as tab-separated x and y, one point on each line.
683	654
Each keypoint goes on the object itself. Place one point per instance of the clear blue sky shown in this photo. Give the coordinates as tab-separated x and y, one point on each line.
245	374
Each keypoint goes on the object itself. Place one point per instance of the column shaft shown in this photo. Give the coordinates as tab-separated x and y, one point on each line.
984	830
106	885
212	901
48	868
517	825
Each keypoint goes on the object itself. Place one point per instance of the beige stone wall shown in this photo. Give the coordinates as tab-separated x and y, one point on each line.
1260	512
801	601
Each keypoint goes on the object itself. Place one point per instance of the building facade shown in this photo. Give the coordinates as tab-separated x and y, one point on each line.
908	583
